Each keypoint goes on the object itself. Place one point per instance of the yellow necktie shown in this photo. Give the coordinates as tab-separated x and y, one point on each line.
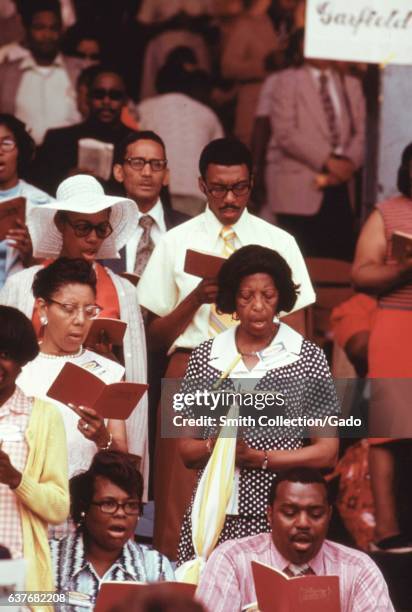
220	322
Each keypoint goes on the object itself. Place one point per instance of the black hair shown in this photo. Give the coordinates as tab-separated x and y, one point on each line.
32	7
405	172
302	475
109	68
17	336
61	272
254	259
117	467
225	152
25	143
76	33
121	147
87	76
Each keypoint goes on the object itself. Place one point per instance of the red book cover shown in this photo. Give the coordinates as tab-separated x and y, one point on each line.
10	211
205	265
113	594
75	385
276	592
113	329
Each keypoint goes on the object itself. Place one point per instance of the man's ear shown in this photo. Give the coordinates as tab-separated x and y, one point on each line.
166	178
202	185
118	173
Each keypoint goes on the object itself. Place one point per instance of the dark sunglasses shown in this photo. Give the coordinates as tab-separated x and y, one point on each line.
84	228
114	94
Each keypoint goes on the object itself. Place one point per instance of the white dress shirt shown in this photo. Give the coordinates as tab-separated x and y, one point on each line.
166	265
157	230
46	98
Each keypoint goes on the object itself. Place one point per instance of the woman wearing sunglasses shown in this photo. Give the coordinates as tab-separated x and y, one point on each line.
85	223
16	152
106	503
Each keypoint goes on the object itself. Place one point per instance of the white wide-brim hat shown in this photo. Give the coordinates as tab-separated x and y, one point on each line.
82	194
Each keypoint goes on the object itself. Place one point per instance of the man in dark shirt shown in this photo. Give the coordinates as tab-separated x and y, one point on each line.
58	156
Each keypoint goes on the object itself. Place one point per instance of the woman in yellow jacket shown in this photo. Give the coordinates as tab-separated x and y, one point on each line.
33	457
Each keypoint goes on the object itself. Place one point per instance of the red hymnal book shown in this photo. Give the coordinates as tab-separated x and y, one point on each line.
401	245
114	330
132	278
203	264
113	594
276	592
10	211
75	385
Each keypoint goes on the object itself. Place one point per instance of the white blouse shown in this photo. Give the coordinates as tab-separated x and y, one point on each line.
36	379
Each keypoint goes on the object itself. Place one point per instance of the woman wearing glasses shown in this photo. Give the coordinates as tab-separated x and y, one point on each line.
65	294
106	504
85	223
16	152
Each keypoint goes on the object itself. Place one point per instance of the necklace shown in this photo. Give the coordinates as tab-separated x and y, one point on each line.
69	356
255	353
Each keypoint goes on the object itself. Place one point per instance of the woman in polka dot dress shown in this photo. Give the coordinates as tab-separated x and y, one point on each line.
263	355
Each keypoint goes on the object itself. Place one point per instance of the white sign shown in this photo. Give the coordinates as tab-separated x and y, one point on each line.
377	31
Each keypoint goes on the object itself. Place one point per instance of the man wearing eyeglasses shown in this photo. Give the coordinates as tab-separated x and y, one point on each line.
59	155
181	312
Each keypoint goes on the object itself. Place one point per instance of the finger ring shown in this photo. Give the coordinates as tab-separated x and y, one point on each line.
86	426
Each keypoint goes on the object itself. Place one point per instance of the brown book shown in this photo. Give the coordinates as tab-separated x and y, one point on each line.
10	211
200	263
114	330
276	592
75	385
401	245
132	278
112	594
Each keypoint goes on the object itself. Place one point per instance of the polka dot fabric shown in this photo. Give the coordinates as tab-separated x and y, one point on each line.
308	390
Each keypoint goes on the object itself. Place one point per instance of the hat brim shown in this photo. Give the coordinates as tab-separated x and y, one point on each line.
48	241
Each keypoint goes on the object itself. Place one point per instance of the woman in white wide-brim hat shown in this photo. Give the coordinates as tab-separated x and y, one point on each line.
84	222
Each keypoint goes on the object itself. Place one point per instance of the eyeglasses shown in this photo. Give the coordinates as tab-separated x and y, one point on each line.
84	228
7	145
111	506
138	163
114	94
221	191
91	311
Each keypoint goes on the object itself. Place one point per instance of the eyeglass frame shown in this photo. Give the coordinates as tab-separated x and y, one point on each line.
227	188
77	308
130	160
11	140
118	505
92	227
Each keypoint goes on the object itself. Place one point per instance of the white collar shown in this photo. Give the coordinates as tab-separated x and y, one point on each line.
156	213
214	227
284	349
29	63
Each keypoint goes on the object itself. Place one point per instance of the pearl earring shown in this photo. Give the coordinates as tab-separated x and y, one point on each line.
43	320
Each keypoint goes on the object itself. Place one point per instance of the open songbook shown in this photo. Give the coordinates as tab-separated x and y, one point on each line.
10	211
75	385
112	594
276	592
95	156
200	263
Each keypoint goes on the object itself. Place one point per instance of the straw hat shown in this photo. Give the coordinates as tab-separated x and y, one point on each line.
82	194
